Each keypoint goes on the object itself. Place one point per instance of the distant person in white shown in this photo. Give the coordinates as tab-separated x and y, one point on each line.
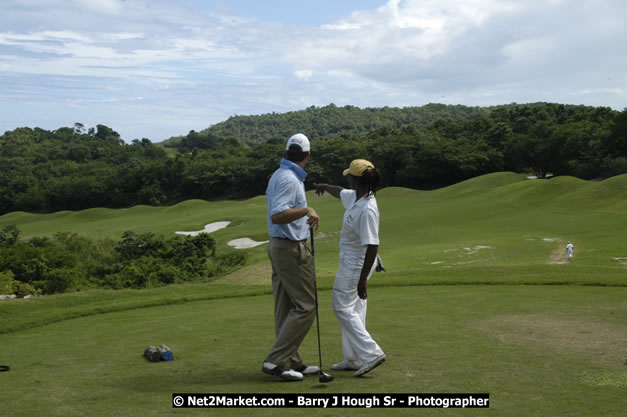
359	243
569	249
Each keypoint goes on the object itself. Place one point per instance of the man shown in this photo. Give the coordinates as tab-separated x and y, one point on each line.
569	249
293	285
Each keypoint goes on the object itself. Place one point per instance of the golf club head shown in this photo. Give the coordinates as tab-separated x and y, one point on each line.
324	377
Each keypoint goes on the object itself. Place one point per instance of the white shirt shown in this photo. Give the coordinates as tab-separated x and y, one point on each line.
360	228
570	247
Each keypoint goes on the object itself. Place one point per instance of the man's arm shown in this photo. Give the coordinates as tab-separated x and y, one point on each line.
334	190
289	215
362	286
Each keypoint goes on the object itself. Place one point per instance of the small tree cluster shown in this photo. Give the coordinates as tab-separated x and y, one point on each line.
70	262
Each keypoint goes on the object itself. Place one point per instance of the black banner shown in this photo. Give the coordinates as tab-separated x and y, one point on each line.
220	400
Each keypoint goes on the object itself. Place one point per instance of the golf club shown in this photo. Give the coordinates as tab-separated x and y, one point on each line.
323	377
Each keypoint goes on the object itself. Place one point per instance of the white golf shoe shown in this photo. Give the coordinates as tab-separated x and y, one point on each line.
346	365
371	365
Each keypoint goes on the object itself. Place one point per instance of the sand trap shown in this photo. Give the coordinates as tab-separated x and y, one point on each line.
533	177
472	251
245	243
210	228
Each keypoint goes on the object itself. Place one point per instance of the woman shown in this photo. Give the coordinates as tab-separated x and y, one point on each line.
359	243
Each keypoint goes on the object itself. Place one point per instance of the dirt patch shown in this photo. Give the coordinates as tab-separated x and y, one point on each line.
621	261
558	256
601	343
606	378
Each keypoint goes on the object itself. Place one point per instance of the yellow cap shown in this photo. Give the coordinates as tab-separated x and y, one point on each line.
357	167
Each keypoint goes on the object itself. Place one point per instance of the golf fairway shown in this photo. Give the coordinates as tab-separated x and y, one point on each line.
479	297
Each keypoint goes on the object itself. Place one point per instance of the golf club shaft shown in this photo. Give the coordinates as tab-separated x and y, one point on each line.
313	256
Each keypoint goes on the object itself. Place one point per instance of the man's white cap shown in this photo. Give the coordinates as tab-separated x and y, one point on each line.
300	140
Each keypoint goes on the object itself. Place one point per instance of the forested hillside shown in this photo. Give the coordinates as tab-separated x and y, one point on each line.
77	168
331	120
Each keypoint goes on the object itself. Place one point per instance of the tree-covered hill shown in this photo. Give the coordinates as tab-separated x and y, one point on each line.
75	168
331	120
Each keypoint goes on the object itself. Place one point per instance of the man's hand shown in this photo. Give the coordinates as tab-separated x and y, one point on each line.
290	215
320	189
362	289
313	220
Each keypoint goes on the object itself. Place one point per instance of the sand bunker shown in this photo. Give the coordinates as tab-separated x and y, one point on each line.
245	243
533	177
472	251
210	228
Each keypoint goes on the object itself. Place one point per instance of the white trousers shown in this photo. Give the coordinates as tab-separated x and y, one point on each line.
350	311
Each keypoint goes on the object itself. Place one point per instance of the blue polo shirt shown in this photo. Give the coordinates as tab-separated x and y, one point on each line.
286	190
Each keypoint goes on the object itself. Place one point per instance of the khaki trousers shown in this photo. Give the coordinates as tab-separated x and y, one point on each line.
294	299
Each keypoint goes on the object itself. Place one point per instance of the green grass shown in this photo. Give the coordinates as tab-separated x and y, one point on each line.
479	297
536	350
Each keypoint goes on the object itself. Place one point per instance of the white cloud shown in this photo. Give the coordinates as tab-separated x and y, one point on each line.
406	52
101	6
342	26
448	47
304	74
123	36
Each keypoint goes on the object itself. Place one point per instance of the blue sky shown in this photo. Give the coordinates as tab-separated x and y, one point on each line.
155	68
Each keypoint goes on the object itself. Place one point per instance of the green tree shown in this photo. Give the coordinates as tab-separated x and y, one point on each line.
9	235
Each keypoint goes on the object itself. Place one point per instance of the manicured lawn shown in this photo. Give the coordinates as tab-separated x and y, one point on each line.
479	297
537	350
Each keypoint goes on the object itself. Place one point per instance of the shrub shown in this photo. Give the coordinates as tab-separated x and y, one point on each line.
58	280
201	245
6	282
231	260
22	289
68	261
145	272
9	235
134	246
